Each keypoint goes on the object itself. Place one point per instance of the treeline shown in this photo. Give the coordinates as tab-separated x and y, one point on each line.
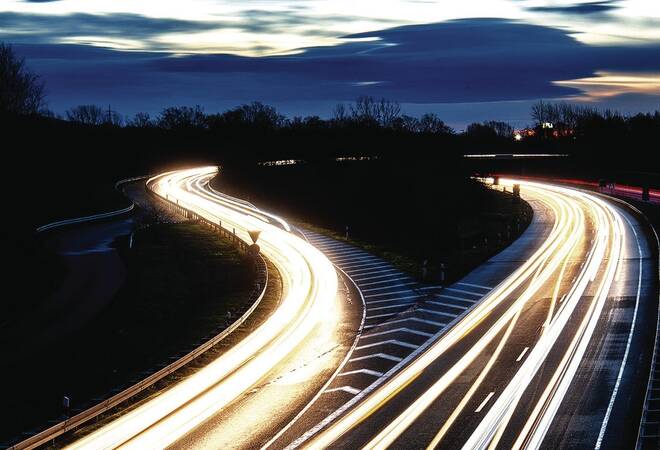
366	127
365	112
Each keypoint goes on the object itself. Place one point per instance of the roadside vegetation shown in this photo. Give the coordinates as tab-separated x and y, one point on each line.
404	211
183	285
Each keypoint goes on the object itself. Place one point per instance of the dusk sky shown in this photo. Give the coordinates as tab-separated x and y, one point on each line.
468	60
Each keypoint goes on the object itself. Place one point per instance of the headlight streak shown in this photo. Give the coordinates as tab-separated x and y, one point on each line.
473	388
386	437
490	429
569	227
310	286
546	408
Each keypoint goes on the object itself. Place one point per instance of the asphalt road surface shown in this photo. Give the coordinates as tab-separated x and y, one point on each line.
546	345
549	358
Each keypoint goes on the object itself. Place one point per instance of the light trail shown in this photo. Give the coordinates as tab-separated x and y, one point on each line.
309	291
606	252
570	209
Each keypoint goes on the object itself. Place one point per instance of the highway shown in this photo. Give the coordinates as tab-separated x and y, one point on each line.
513	366
544	346
309	297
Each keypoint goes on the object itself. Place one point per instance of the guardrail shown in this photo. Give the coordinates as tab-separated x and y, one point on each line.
106	215
83	417
644	438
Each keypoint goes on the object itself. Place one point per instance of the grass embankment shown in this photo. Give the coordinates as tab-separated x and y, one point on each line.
405	211
182	281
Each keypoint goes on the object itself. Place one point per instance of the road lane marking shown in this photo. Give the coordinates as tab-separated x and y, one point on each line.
413	319
462	291
615	391
374	373
396	330
360	266
488	397
354	259
376	277
345	252
377	355
407	291
396	299
370	270
350	389
389	341
447	305
388	287
451	297
522	354
405	277
379	316
380	308
475	285
437	313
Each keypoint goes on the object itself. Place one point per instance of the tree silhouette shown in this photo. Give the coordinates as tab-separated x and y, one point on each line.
21	91
86	115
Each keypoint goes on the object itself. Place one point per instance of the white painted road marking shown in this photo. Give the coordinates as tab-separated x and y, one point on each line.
488	397
396	330
389	341
350	389
522	354
365	371
377	355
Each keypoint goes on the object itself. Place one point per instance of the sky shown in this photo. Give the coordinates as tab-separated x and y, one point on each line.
468	60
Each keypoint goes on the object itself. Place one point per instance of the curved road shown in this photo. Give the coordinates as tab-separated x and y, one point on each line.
512	369
546	346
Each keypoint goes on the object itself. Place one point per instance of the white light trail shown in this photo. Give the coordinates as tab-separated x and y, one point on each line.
309	290
570	209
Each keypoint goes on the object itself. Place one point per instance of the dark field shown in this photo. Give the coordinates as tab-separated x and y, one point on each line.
182	280
405	212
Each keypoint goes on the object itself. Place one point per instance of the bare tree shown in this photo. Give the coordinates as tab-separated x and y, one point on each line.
87	115
502	129
21	91
179	117
140	120
340	114
388	112
431	123
382	112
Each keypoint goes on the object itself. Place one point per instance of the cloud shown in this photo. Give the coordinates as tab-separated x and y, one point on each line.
455	62
42	28
580	8
138	32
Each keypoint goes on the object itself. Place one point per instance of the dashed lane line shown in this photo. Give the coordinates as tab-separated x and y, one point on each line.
488	397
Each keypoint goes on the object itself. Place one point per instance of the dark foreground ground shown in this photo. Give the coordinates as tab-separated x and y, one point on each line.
406	212
178	284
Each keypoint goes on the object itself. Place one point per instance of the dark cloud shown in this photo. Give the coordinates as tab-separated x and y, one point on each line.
580	8
462	61
43	28
31	28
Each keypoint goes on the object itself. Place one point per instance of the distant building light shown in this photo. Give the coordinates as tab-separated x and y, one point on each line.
518	137
548	125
